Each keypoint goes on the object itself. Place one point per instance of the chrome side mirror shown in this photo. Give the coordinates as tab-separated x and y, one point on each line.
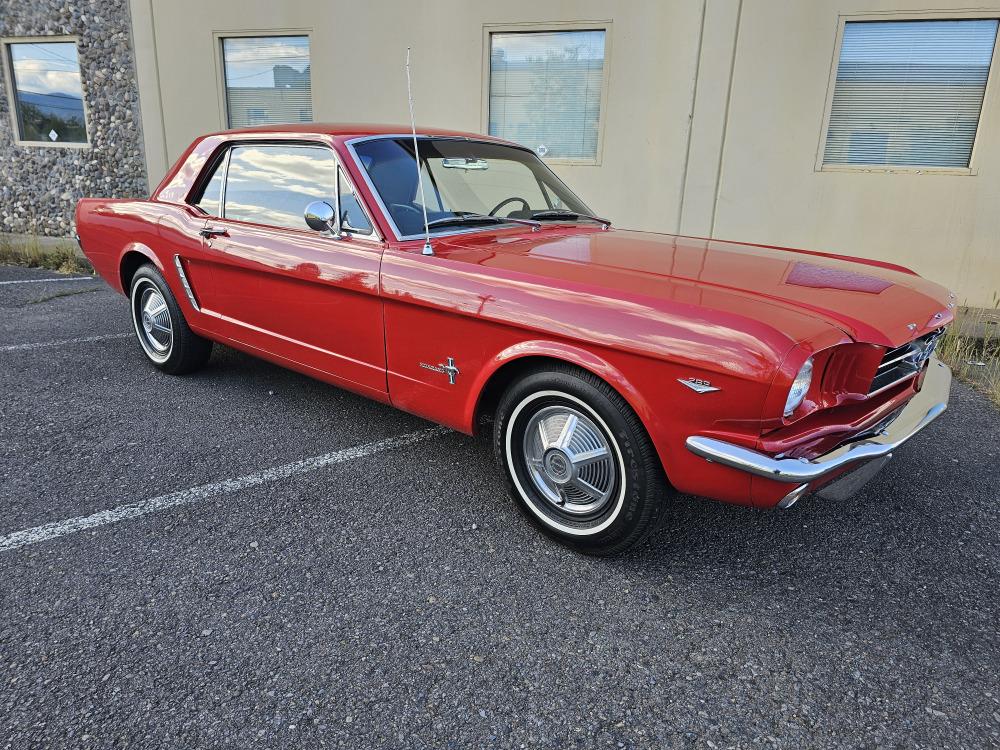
322	217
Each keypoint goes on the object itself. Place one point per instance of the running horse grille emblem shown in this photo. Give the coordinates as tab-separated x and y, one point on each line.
448	369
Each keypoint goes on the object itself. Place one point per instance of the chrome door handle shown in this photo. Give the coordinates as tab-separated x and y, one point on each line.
209	232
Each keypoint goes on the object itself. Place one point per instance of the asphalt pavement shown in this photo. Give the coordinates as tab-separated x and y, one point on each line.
249	558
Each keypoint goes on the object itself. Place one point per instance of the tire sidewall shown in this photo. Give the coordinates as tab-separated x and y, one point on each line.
140	282
146	276
625	522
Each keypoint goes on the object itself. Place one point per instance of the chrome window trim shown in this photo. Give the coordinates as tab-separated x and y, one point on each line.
350	143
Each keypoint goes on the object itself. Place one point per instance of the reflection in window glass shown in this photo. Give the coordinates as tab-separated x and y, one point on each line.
274	184
545	91
909	93
48	92
267	80
459	177
211	198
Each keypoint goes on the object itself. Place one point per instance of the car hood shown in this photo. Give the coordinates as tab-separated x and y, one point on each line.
873	303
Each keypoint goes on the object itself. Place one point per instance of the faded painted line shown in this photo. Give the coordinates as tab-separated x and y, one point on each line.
63	342
49	281
203	492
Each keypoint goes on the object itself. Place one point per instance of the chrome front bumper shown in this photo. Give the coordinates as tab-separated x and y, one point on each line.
922	409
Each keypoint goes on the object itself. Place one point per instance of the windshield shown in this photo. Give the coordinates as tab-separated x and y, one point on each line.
462	180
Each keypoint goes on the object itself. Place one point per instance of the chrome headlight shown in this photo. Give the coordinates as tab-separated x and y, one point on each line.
800	386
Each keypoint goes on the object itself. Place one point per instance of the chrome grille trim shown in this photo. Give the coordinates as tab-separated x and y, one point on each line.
903	362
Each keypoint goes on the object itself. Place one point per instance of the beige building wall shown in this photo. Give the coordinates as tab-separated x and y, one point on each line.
946	226
712	124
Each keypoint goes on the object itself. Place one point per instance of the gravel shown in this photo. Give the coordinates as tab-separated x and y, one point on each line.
399	600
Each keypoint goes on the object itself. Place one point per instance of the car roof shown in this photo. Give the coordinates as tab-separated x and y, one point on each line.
354	130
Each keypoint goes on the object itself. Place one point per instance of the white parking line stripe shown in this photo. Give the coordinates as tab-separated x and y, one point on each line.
44	344
202	492
45	281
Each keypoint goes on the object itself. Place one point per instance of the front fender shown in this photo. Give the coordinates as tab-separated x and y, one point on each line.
561	351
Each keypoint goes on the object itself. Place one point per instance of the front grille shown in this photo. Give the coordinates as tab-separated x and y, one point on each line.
904	361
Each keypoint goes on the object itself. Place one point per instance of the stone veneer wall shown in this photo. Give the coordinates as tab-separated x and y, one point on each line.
39	185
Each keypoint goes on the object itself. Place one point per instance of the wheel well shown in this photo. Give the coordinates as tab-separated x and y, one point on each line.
131	262
503	378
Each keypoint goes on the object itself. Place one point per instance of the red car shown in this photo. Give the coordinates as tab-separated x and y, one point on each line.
611	367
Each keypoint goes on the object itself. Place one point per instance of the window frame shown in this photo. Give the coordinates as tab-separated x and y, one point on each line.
902	16
552	27
218	38
11	89
220	160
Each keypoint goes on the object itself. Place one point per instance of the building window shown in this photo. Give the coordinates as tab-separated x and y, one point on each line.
909	93
47	92
545	91
267	80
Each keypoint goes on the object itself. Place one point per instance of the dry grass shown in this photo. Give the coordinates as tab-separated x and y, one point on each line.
32	252
971	347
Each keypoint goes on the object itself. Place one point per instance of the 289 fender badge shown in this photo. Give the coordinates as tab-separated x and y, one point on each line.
697	385
448	369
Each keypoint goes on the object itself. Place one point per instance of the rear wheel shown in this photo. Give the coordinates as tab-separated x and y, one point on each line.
578	461
163	333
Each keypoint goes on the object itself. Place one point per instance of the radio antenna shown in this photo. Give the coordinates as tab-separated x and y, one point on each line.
428	250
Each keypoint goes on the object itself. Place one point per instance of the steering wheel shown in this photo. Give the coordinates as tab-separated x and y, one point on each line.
407	207
514	199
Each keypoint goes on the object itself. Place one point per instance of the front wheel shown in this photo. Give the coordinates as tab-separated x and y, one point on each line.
163	333
578	461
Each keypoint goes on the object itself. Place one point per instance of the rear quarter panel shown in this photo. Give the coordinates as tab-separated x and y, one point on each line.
110	229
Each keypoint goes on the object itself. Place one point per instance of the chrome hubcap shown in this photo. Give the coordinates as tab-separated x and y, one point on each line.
569	460
153	325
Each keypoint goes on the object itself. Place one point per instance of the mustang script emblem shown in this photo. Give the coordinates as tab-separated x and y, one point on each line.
697	385
448	369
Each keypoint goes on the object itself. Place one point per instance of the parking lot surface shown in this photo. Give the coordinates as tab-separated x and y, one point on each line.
249	558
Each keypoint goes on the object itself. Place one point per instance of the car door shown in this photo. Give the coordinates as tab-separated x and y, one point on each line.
279	287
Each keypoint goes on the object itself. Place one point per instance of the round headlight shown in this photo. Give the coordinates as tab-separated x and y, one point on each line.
800	386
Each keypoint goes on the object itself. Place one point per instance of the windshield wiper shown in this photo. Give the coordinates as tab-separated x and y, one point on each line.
560	215
470	218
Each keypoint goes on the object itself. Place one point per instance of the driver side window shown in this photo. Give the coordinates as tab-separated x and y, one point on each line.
272	184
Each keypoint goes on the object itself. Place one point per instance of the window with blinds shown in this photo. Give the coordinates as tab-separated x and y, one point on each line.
267	80
545	91
909	93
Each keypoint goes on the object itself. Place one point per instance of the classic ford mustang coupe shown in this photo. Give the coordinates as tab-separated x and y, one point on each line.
610	368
